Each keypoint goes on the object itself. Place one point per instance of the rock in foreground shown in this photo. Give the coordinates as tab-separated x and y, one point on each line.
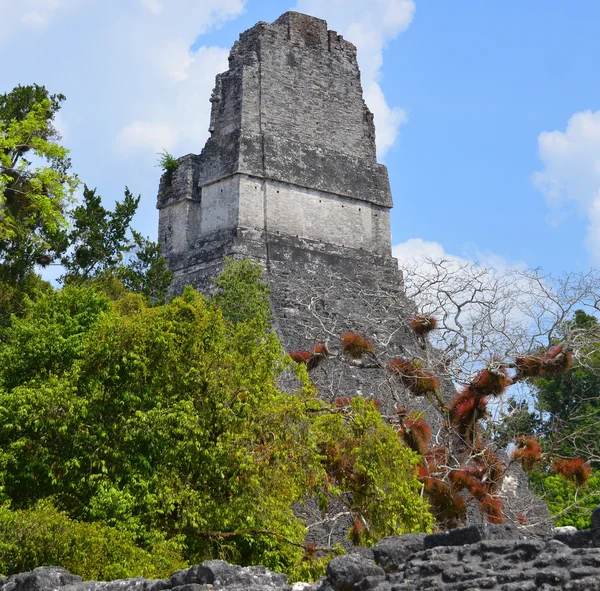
471	558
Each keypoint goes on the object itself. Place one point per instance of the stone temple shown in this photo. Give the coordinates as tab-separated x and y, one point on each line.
289	177
289	172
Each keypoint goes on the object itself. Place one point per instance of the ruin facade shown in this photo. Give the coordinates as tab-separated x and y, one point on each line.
290	170
289	177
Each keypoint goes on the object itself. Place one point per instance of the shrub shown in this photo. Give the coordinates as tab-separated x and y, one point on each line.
465	409
366	459
565	500
421	325
575	470
44	536
167	162
355	345
528	452
491	507
555	361
491	382
416	433
419	381
311	359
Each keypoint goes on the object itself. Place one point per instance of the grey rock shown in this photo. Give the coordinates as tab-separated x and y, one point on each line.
324	585
576	539
221	574
500	559
362	551
567	529
390	553
43	578
472	534
346	571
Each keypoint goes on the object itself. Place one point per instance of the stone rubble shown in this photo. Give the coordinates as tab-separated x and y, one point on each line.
484	556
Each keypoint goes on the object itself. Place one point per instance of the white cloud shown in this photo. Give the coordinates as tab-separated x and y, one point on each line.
31	14
369	24
419	250
133	85
174	59
128	66
34	19
154	6
141	136
570	179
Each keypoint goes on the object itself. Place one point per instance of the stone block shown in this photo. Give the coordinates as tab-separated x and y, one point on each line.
346	571
472	535
391	552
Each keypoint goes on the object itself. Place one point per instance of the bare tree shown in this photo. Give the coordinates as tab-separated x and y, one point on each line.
485	322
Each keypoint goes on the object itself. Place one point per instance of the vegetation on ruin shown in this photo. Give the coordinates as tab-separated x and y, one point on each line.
166	423
139	435
167	162
155	434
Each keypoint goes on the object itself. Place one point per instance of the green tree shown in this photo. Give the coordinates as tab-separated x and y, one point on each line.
167	422
33	197
102	242
372	472
568	503
569	403
517	419
241	293
98	237
562	414
145	271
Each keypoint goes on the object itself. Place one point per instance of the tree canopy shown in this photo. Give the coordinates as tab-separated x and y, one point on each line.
167	423
35	184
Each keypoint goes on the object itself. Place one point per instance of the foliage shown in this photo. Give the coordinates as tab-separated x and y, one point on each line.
161	419
569	403
166	422
33	199
422	325
50	336
311	359
98	237
167	162
146	272
365	457
419	381
102	242
568	503
528	452
44	536
34	215
464	467
241	293
516	420
14	296
574	470
415	432
355	345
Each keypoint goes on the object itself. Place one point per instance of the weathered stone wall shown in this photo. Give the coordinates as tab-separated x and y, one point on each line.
291	155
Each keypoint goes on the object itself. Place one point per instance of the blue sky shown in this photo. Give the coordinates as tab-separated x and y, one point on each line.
487	113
